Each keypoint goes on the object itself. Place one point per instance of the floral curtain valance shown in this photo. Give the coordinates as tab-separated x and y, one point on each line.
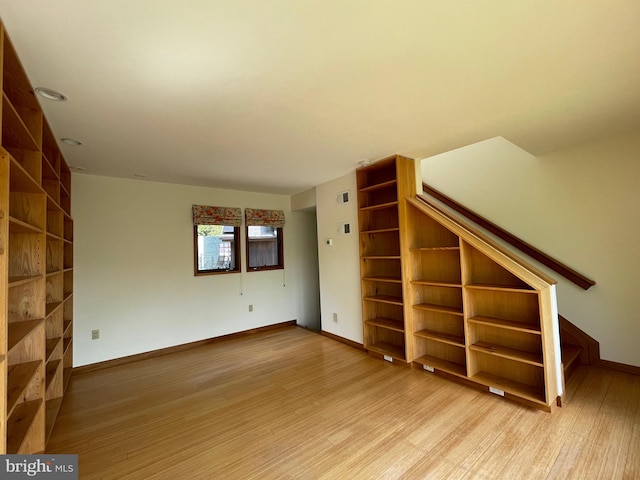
264	218
206	215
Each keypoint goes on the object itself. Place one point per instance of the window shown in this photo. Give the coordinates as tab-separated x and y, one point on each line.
216	236
264	239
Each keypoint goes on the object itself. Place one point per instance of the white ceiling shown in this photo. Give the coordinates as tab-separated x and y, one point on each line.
280	95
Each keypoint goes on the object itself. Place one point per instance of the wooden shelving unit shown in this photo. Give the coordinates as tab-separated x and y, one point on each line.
437	295
36	265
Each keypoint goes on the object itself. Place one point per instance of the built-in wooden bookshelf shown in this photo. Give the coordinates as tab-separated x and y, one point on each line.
440	296
36	265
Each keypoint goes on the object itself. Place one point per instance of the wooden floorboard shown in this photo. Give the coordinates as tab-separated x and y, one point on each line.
292	404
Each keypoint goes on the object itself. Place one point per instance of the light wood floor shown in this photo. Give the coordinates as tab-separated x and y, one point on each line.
292	404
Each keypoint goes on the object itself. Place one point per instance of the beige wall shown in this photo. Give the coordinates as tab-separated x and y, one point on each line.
339	263
579	205
134	277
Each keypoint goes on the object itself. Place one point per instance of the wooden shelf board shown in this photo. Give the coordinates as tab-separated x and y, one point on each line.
67	296
383	279
22	280
52	343
20	180
380	230
66	376
439	308
65	326
432	249
18	226
52	370
17	331
444	365
505	324
529	358
387	323
19	423
385	299
54	272
378	186
53	237
18	378
500	288
52	407
431	283
381	257
528	392
570	353
447	338
389	349
380	206
48	172
52	307
65	344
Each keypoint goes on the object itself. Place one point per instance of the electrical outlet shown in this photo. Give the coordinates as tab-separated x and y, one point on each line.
95	334
335	318
251	307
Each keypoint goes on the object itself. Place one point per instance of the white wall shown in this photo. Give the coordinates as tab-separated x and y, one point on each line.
339	263
133	271
579	205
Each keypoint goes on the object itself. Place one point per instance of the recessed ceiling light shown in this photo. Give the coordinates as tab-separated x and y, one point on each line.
364	163
77	168
71	141
51	94
139	175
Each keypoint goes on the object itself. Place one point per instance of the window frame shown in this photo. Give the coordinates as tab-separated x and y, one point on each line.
238	261
280	248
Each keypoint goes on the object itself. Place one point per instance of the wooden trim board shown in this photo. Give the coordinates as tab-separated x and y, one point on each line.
337	338
177	348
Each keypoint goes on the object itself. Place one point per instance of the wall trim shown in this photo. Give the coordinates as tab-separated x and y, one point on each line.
620	367
92	367
348	342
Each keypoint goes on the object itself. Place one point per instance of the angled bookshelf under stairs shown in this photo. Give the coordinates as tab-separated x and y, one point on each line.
438	295
36	262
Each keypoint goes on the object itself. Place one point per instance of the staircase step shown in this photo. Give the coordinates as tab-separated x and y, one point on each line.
570	358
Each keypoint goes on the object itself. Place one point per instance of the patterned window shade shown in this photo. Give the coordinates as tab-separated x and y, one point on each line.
206	215
264	218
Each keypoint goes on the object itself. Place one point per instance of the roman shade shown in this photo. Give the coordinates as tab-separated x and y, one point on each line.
208	215
264	218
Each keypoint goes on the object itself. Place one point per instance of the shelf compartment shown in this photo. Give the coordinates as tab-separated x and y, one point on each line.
55	255
439	297
379	186
20	180
66	342
427	233
521	390
515	377
17	226
389	349
387	323
380	267
54	288
52	307
484	272
18	331
52	408
385	244
53	348
19	428
52	371
508	308
447	357
20	127
381	217
55	219
380	194
68	227
67	255
506	343
442	365
376	175
436	265
19	382
26	300
455	340
506	324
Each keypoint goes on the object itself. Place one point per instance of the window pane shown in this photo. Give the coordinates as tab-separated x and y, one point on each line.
216	247
264	247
